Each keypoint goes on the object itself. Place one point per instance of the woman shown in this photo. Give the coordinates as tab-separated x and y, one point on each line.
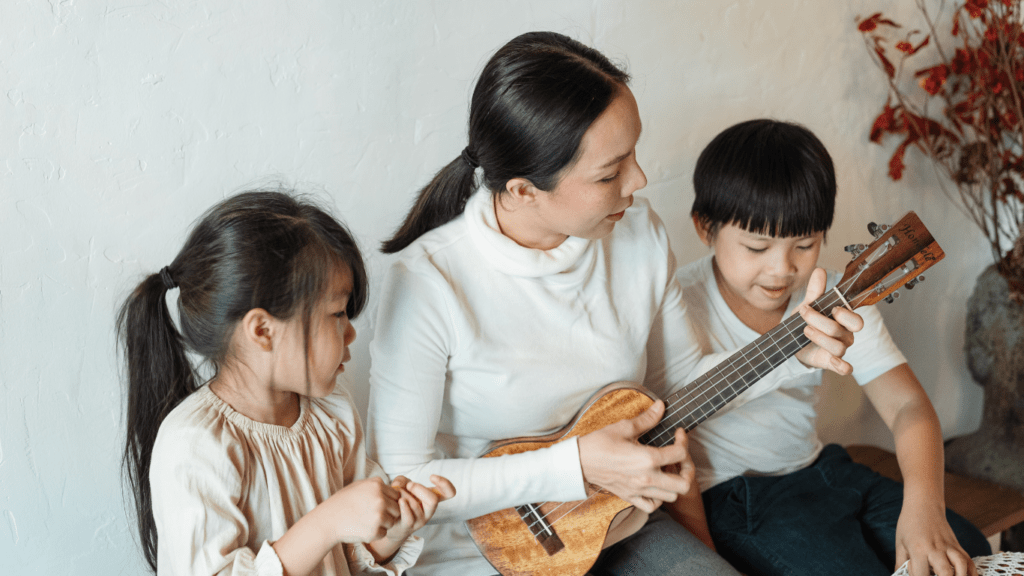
508	307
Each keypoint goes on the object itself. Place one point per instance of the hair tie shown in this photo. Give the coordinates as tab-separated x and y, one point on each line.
165	275
469	158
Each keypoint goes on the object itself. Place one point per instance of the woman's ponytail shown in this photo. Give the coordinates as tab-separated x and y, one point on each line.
438	202
159	377
534	100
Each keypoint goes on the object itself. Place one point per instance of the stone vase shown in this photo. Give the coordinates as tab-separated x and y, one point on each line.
995	356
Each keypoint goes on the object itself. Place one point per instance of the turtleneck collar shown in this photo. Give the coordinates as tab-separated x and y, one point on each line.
503	254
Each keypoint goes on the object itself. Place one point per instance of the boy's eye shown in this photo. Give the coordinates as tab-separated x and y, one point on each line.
808	247
755	250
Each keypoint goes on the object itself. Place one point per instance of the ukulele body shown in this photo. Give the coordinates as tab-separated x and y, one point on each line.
579	527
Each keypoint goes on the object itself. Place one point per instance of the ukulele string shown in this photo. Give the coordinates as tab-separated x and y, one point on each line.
705	393
790	326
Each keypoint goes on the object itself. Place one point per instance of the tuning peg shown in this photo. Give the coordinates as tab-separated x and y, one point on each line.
855	249
910	285
877	230
892	297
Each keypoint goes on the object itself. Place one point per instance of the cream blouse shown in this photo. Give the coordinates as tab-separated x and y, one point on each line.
225	486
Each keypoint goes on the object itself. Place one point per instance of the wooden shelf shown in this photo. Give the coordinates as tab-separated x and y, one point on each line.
989	506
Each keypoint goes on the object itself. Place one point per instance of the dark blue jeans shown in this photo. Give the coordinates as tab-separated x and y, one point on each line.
832	517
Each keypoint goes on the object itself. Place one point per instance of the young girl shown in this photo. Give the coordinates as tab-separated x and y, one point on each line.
262	469
778	502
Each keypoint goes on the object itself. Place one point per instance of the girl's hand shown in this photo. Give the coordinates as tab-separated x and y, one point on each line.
612	459
829	338
417	504
924	537
368	509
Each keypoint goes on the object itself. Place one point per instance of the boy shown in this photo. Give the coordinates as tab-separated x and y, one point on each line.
776	501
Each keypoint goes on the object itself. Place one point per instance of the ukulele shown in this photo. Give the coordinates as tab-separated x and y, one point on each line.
565	538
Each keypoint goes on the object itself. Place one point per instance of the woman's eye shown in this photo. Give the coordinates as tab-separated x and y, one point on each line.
340	314
610	178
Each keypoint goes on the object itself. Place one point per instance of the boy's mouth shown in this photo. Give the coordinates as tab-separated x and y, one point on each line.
773	291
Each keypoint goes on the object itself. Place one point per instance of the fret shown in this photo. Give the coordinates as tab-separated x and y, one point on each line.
721	384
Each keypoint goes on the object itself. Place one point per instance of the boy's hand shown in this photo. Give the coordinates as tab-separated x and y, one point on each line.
924	537
829	337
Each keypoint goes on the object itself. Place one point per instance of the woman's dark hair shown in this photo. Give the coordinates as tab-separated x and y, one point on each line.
259	249
765	176
534	100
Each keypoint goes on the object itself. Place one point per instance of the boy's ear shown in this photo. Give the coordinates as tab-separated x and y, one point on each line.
260	328
521	191
703	229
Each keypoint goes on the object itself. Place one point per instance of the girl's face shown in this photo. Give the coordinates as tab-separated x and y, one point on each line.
756	273
594	194
330	335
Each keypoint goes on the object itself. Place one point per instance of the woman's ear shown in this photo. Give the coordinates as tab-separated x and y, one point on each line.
521	191
258	327
703	228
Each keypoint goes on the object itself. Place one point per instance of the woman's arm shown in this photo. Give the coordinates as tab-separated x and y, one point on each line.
922	533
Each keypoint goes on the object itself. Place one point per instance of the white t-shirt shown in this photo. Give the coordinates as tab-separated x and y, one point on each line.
479	339
773	431
225	486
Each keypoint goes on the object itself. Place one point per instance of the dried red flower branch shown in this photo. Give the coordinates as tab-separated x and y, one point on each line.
976	141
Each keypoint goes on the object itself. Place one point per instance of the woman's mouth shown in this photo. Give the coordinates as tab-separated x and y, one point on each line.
617	216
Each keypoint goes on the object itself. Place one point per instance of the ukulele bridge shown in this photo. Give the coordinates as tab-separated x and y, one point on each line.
540	528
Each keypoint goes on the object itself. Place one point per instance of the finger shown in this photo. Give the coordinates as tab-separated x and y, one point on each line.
901	556
647	420
424	496
815	286
962	563
648	505
848	319
940	565
443	487
409	517
399	482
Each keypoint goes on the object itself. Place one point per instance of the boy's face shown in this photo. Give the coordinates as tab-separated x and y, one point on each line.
757	273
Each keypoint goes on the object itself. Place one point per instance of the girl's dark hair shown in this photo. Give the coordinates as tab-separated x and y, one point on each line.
259	249
534	100
765	176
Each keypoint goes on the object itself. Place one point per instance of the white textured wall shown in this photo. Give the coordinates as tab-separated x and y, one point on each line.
122	120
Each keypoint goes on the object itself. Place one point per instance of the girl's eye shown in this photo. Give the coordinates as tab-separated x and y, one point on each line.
756	250
805	247
610	178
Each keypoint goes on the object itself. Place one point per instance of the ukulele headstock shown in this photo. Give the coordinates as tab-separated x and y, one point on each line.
897	257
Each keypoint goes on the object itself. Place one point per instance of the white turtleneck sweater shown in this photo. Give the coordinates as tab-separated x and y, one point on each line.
479	339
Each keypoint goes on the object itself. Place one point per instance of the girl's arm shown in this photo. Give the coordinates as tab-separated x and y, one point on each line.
922	534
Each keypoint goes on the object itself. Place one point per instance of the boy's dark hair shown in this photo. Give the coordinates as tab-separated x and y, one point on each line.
535	99
259	249
765	176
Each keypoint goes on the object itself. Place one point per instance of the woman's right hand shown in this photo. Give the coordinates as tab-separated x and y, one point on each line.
613	459
364	510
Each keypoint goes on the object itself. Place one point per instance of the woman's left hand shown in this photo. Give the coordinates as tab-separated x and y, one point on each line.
924	537
829	337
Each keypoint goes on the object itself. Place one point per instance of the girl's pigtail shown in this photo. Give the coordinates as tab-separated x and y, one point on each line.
159	377
438	202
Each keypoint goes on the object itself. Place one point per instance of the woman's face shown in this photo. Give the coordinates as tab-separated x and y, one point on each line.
594	194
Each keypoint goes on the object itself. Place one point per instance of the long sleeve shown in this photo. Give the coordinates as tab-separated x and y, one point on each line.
414	339
201	528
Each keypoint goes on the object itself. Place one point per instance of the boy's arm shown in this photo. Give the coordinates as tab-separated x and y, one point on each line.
922	534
